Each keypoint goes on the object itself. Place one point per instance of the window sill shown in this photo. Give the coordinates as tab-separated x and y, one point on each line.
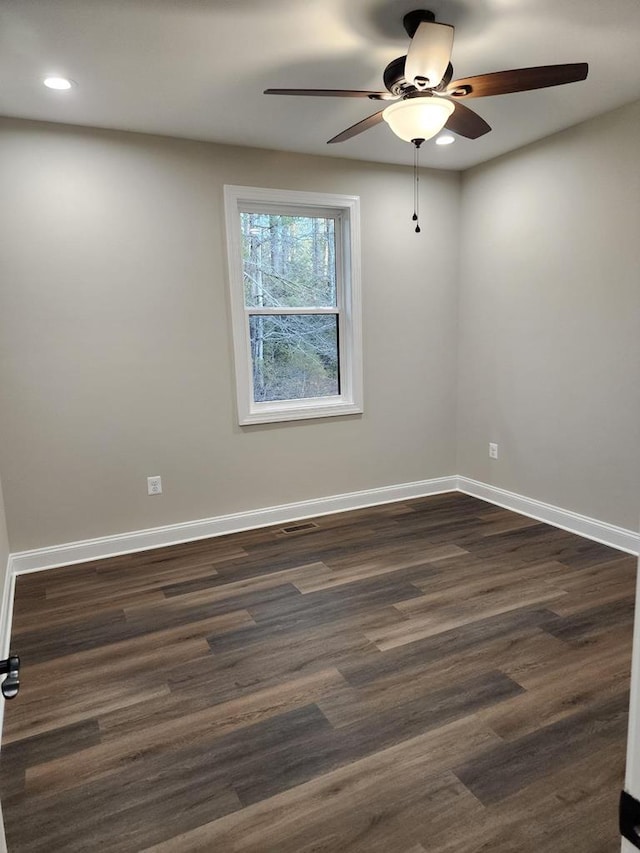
273	413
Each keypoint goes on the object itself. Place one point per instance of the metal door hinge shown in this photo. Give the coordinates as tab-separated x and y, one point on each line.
11	684
630	818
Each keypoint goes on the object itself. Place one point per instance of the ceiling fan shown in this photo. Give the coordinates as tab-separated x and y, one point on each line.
424	95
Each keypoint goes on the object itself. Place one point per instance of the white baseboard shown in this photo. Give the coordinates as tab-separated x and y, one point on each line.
174	534
142	540
590	528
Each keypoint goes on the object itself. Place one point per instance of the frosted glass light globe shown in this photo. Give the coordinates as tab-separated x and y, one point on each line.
418	118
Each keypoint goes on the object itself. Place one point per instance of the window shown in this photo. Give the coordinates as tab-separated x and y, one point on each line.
294	273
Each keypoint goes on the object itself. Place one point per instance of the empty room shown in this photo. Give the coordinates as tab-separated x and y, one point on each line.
319	426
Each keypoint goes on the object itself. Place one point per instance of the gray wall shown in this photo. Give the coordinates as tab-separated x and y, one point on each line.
114	335
116	360
550	320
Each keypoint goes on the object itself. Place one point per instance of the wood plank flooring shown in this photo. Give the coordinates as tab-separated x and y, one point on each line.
433	676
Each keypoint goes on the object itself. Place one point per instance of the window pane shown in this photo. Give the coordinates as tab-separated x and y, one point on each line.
294	356
288	261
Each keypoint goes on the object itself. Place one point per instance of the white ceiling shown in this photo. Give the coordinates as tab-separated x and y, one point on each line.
197	68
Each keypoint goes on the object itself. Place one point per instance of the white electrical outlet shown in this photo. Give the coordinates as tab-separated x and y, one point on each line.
154	485
493	450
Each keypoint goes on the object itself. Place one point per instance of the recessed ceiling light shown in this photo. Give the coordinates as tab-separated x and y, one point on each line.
445	139
58	83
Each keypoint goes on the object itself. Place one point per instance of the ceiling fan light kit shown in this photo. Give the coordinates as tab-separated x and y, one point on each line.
418	118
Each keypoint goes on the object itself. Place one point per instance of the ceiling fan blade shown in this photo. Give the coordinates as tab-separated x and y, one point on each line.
333	93
360	127
518	80
465	122
429	54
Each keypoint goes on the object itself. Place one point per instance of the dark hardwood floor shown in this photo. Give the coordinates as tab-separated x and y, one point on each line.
433	676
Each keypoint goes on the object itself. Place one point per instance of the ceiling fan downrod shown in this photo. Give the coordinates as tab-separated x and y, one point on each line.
412	20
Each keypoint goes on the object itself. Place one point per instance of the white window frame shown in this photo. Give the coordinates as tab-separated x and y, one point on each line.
346	212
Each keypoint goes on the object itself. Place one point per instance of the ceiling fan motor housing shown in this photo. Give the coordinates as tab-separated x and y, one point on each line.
397	84
394	79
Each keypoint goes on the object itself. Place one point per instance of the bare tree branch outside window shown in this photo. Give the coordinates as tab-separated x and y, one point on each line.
289	262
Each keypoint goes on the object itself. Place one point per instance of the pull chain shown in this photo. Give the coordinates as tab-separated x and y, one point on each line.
416	182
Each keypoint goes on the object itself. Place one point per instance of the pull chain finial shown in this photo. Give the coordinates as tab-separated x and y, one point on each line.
416	182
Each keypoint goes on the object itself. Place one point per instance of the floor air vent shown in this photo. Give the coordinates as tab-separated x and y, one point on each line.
298	528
